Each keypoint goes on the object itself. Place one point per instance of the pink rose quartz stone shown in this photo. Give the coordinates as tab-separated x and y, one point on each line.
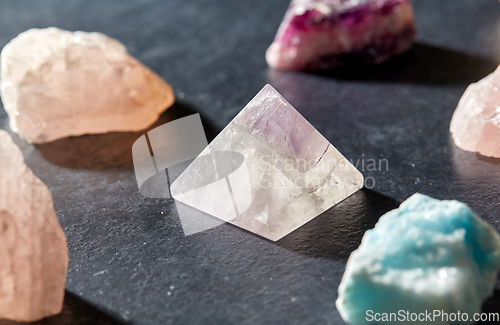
324	34
57	84
33	249
475	125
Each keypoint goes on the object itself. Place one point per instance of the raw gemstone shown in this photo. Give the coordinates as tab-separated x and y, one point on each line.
427	255
475	125
324	34
269	171
33	250
57	83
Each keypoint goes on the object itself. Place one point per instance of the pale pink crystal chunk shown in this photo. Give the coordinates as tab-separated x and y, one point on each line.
57	83
324	34
475	125
33	249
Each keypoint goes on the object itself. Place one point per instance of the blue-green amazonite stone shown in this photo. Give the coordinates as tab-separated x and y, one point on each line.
426	255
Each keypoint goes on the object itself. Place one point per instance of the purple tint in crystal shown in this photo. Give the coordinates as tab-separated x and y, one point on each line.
321	34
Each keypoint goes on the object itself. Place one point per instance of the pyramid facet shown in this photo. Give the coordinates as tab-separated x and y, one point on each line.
269	171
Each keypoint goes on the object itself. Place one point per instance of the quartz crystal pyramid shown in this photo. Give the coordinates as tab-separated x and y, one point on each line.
475	125
323	34
269	171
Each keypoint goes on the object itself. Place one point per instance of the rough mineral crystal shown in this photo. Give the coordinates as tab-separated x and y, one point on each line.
475	125
428	255
57	83
269	171
33	250
323	34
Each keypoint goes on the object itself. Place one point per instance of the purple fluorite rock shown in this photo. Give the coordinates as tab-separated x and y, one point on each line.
323	34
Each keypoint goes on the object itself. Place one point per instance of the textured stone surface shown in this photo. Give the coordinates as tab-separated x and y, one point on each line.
323	34
426	255
33	250
280	173
57	83
475	125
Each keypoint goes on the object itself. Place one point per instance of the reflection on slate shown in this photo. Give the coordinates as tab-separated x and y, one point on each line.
338	231
106	151
422	64
74	309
